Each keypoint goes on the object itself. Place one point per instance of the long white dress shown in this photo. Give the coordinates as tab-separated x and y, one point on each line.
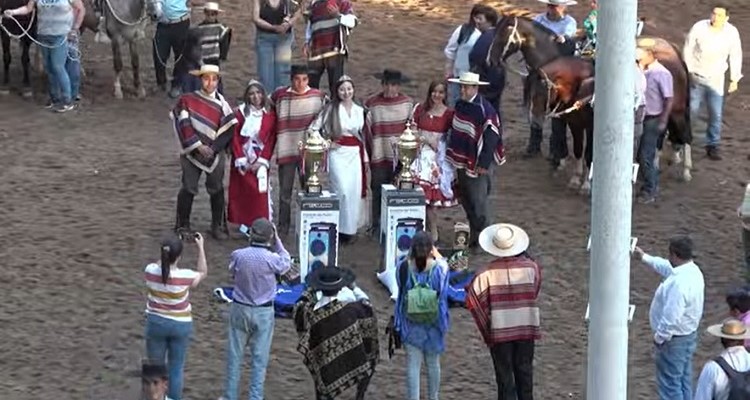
345	171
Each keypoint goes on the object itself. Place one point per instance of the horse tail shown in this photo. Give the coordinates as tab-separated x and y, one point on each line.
688	134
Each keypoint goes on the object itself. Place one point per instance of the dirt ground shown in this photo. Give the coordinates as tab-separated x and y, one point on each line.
86	196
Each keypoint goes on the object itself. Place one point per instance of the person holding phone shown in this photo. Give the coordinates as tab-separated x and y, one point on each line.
251	315
169	323
252	146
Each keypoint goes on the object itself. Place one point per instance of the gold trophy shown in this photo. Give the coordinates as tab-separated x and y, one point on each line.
315	147
407	144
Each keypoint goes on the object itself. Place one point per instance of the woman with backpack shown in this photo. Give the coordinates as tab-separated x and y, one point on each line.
421	315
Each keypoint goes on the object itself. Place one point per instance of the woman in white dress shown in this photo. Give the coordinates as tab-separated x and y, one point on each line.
342	121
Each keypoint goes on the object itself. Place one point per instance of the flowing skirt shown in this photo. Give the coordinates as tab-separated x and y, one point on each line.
345	174
246	203
435	175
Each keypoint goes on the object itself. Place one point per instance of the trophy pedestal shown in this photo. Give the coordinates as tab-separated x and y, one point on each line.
317	231
402	215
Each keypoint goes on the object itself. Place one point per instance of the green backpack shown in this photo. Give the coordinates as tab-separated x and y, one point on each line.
421	301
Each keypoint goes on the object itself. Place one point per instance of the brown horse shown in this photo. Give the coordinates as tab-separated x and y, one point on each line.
517	32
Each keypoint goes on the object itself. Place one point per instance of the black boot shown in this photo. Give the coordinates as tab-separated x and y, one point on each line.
218	221
184	208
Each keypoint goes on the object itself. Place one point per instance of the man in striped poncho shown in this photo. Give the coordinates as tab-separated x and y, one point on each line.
326	36
296	107
387	114
474	145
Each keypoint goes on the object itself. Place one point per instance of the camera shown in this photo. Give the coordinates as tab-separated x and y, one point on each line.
188	236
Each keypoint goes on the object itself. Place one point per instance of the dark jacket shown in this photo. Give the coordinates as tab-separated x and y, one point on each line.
494	75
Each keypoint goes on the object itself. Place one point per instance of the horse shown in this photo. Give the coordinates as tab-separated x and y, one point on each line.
22	28
516	31
124	22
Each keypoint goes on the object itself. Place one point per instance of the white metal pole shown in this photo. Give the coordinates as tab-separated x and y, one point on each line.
609	279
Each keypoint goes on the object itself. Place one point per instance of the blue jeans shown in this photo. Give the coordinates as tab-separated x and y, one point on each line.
414	357
715	104
167	339
647	155
73	66
274	56
674	368
54	64
248	326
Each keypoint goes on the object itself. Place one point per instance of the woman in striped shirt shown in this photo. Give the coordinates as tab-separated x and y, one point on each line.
169	324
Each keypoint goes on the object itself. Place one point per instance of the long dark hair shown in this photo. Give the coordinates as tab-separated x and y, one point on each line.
428	101
466	29
421	249
246	98
171	249
332	123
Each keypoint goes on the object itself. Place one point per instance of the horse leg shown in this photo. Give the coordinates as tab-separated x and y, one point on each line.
117	60
688	164
577	132
135	63
589	153
6	63
25	62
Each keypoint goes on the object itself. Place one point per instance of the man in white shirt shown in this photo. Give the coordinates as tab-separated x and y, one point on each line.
709	44
675	314
713	383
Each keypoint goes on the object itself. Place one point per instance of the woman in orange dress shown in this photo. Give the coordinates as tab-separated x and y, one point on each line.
433	119
252	146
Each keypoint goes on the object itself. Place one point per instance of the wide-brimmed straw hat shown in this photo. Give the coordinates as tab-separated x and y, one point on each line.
329	278
468	78
559	2
206	69
212	6
504	240
730	329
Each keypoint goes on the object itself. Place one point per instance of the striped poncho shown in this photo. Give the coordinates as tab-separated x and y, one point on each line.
202	119
475	139
327	37
386	121
295	112
503	300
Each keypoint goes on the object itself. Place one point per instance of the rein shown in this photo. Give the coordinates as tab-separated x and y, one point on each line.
120	20
552	89
514	38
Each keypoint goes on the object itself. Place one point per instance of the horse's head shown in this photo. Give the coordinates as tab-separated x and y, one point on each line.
508	40
155	9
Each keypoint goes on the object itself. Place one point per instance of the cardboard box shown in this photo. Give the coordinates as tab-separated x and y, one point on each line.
317	231
745	209
403	216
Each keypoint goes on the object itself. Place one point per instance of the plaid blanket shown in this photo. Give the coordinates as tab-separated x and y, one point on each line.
339	342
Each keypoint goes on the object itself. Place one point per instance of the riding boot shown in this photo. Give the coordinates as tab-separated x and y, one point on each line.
218	220
184	208
535	142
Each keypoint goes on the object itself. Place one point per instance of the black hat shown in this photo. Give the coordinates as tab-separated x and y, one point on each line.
329	278
392	76
152	370
261	231
299	69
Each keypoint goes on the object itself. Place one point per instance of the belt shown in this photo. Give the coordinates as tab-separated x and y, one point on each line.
176	21
651	117
266	304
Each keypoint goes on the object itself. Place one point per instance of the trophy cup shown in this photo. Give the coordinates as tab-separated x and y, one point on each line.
314	149
407	152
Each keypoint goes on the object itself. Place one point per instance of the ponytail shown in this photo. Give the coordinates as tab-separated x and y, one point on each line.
171	249
165	267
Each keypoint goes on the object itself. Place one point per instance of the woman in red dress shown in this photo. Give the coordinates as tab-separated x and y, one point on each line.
433	119
252	146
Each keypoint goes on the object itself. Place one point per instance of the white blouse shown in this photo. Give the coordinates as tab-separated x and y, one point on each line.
250	129
352	124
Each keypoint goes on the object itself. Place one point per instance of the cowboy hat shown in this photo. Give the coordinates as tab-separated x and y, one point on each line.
212	6
730	329
468	78
206	69
639	53
391	76
329	278
559	2
504	240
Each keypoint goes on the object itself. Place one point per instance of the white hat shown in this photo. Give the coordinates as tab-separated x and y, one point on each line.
212	6
730	329
468	78
639	53
559	2
206	69
504	240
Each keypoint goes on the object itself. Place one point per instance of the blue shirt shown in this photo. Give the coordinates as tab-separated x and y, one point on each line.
428	338
566	26
174	9
255	269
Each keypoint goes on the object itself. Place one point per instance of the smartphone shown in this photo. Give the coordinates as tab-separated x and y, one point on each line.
321	241
405	230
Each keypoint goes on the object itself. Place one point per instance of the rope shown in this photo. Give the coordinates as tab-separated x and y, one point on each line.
24	31
158	57
120	20
74	53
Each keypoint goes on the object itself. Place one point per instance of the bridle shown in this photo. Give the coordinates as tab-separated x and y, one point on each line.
551	90
514	38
